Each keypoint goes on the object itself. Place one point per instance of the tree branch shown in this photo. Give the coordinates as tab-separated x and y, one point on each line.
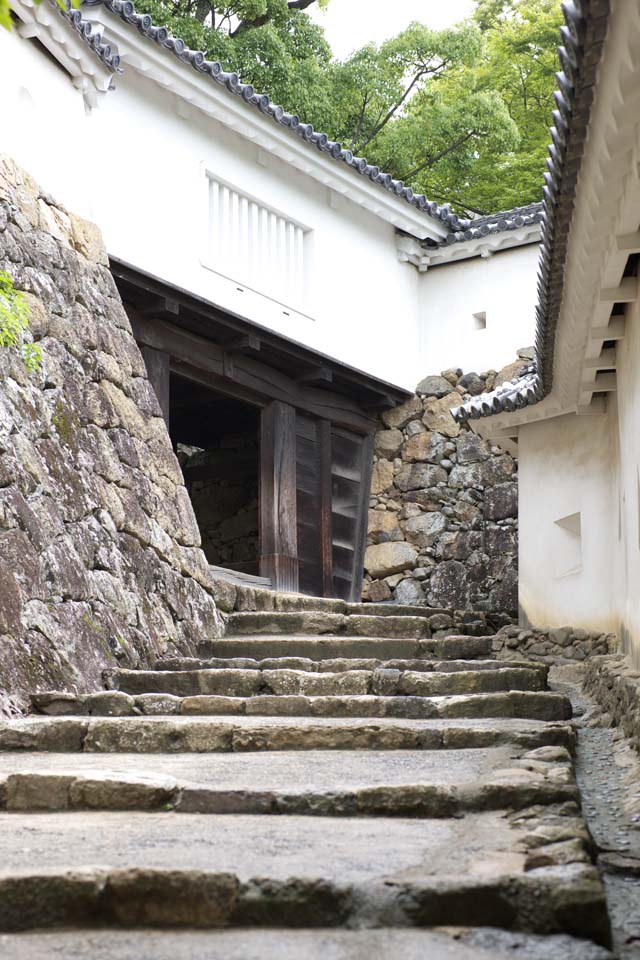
422	72
431	161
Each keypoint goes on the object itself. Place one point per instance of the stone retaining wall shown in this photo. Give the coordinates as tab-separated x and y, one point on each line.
99	548
559	644
443	518
615	684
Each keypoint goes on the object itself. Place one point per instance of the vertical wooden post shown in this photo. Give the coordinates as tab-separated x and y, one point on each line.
360	544
326	507
278	512
157	363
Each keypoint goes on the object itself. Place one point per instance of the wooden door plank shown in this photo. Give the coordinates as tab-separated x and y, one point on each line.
326	507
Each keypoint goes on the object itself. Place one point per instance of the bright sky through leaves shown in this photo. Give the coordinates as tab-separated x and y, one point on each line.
350	24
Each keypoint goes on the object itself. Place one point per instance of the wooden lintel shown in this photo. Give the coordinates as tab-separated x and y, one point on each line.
246	377
317	375
626	292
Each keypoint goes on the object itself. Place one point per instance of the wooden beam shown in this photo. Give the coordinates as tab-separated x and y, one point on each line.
161	305
606	361
157	363
604	382
278	510
317	375
259	384
245	344
627	292
613	331
326	507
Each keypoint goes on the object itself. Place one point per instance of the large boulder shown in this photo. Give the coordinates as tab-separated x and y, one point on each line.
427	446
434	387
501	501
471	447
382	526
381	476
424	530
388	443
398	417
437	415
384	559
419	476
448	586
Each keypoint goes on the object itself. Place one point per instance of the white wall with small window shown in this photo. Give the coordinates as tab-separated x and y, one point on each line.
567	496
477	313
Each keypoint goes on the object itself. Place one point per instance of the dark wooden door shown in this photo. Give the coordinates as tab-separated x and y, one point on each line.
333	476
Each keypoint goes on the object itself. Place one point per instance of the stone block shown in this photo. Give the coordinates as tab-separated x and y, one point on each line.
388	443
384	559
382	476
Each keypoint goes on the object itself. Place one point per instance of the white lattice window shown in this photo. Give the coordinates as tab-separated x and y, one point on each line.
254	244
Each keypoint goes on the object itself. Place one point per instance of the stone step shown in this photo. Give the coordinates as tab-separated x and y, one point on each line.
249	683
316	623
341	665
449	783
513	703
245	734
315	648
282	944
154	869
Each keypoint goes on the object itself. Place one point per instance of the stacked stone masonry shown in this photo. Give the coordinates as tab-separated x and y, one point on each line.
443	518
99	548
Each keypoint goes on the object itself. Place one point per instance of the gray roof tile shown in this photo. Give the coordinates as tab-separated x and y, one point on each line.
582	37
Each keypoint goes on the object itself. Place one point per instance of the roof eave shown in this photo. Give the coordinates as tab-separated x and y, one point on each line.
411	251
44	21
158	64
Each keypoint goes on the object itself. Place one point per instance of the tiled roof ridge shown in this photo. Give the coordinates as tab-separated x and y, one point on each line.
503	220
92	36
125	9
582	39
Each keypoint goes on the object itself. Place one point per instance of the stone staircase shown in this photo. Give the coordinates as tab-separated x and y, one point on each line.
322	782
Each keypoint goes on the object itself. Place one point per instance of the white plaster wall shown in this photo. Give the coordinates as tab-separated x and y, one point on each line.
360	302
566	465
502	286
626	506
43	121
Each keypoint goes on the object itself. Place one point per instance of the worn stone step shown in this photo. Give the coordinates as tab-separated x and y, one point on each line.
340	665
513	703
133	869
454	647
317	623
151	734
386	682
317	783
282	944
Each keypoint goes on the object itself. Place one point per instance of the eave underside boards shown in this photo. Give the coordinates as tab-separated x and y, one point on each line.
251	363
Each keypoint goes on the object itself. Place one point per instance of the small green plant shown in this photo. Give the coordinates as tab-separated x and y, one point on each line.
14	323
